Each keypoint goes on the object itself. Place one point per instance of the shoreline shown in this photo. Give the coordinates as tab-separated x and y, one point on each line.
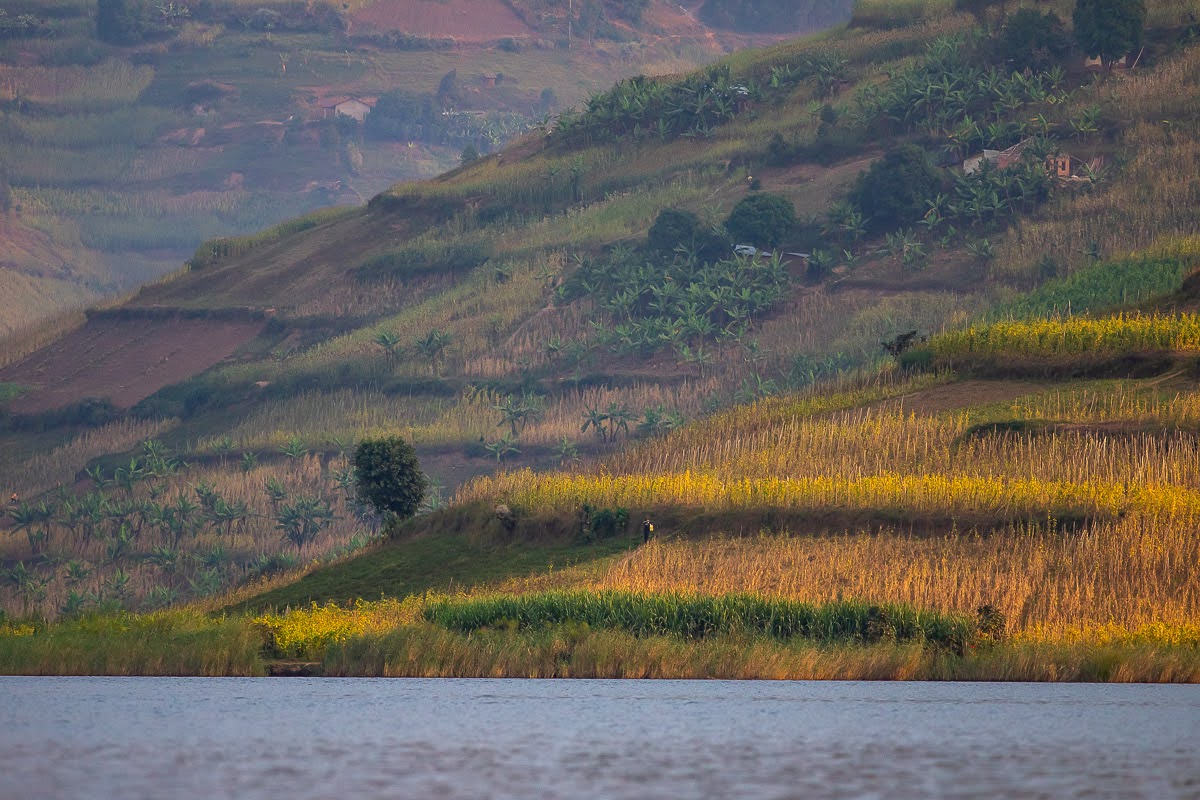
571	652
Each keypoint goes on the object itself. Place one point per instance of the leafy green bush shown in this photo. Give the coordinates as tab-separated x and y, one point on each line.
388	476
896	190
1034	40
675	228
763	219
1109	29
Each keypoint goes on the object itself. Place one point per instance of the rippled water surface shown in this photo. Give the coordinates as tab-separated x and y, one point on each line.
300	738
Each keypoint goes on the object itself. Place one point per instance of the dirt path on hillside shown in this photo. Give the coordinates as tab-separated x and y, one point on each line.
123	360
959	395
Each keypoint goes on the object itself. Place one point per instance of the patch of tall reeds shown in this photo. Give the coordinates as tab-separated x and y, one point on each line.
429	651
177	643
699	616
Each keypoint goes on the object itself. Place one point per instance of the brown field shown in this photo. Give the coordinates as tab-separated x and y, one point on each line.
468	20
123	360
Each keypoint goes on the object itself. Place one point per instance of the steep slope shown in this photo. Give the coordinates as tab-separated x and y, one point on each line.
125	150
526	310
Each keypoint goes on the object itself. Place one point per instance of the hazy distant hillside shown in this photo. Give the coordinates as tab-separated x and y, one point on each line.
762	16
128	137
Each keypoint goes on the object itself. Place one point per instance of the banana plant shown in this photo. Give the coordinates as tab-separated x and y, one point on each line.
597	422
503	447
302	520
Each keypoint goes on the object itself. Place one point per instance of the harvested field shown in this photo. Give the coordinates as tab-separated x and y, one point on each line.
467	20
959	395
124	360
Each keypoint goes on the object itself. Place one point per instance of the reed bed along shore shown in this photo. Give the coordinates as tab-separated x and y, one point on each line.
672	634
606	634
182	643
234	647
431	652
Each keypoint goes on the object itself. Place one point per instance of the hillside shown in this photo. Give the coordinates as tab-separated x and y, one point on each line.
125	149
535	308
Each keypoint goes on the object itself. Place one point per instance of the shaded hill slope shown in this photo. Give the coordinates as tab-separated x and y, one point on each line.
123	151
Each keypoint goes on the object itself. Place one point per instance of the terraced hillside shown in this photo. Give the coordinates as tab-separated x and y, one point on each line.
121	150
536	308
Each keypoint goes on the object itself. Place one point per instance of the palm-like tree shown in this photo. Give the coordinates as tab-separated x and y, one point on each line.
433	347
597	421
390	343
302	520
619	416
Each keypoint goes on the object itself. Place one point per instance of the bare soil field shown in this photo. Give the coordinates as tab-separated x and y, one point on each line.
466	20
123	360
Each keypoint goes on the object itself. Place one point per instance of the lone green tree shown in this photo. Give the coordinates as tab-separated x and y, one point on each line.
1108	29
762	219
895	190
123	22
388	476
672	227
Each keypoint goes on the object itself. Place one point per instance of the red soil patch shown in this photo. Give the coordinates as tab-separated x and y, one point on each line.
30	251
123	360
468	20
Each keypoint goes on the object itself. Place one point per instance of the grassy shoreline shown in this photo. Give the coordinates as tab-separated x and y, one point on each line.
495	636
571	652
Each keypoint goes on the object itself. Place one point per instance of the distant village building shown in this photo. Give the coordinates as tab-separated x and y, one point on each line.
1063	166
1094	64
742	98
1001	159
354	107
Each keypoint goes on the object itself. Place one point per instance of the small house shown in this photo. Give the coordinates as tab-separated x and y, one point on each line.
1061	165
1129	61
490	80
742	99
1001	159
354	107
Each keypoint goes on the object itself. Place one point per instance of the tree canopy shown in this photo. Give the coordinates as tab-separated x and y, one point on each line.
1032	39
1109	29
679	228
762	219
895	190
388	476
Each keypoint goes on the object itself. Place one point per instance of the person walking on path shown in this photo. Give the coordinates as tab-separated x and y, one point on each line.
647	529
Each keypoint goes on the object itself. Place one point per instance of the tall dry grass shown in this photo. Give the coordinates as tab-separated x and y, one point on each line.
1049	584
1148	198
61	465
27	334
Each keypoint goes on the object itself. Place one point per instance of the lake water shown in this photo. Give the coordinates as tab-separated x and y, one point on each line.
322	738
